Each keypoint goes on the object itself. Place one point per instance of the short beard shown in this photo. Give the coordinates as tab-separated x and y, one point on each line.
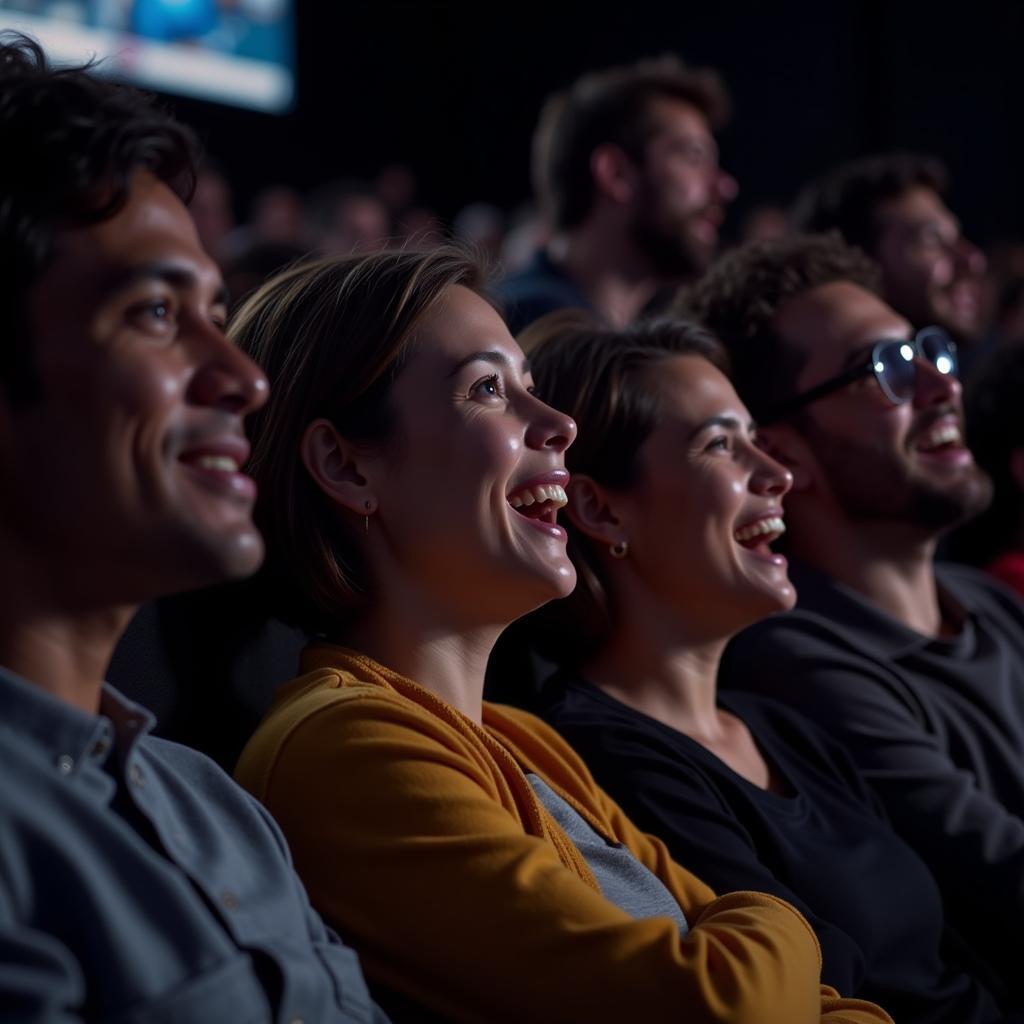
880	496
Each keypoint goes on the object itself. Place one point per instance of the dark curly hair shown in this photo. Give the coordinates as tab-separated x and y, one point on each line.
614	106
740	297
71	143
846	199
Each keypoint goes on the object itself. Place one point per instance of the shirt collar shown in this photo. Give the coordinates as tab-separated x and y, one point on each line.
72	737
822	595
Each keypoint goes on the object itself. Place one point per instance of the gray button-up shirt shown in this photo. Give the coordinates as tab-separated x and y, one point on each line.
138	883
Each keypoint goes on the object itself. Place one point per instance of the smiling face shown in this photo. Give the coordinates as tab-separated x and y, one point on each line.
705	505
468	487
902	464
682	192
127	468
931	273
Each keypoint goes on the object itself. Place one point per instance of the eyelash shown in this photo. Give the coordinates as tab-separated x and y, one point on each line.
721	443
493	379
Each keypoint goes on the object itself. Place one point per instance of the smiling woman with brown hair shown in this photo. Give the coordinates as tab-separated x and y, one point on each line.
409	481
673	507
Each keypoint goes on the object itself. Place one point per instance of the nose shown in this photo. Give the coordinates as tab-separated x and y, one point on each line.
770	477
549	429
726	186
226	378
970	259
934	388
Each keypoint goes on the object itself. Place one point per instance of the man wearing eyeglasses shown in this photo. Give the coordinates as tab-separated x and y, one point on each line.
918	667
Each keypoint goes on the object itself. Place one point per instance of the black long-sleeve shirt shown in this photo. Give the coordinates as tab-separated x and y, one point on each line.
936	726
824	847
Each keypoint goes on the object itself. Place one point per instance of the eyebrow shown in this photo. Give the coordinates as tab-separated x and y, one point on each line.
174	274
728	422
494	357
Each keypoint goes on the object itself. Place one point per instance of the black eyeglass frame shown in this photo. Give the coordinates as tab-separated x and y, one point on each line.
833	384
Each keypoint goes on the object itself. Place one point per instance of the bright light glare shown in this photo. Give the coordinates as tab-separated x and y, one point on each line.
907	351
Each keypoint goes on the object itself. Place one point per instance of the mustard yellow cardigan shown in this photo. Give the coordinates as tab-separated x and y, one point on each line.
420	839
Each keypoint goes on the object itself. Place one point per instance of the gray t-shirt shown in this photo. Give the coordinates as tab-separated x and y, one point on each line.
624	881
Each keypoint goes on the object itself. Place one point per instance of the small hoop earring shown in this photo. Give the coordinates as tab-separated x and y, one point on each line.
619	550
366	519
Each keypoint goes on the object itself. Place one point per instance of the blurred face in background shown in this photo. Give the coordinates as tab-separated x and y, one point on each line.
682	193
931	273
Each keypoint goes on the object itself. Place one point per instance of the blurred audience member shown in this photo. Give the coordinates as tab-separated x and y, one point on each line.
892	207
919	668
346	217
481	226
137	881
396	187
419	227
526	233
626	171
212	210
245	271
279	216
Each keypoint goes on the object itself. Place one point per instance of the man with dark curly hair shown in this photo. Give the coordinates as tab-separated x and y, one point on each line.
625	168
891	205
136	880
918	667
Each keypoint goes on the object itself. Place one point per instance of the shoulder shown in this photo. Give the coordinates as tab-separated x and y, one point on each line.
979	592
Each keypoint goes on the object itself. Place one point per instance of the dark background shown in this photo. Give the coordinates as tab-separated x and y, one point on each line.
453	89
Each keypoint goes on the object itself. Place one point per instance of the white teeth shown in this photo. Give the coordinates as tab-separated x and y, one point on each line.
538	495
763	527
946	433
221	463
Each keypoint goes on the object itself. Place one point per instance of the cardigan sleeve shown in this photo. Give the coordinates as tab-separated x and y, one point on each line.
415	850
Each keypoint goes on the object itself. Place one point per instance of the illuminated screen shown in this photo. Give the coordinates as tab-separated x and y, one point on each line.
239	52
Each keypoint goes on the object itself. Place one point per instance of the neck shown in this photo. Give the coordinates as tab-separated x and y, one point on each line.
891	564
64	652
658	663
423	646
613	274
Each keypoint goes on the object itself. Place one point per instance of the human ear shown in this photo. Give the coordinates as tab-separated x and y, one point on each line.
786	446
334	464
612	171
591	511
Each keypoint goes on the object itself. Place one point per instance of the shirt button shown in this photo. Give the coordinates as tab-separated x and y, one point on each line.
100	747
229	899
65	764
135	776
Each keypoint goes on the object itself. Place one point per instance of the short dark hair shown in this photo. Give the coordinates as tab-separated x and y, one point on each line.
71	143
613	106
332	335
602	377
995	429
846	199
740	296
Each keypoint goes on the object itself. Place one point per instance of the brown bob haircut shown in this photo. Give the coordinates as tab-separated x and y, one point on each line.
610	106
332	335
739	298
605	379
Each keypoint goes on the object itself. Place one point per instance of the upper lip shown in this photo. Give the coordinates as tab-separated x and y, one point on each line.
775	512
559	477
942	418
232	446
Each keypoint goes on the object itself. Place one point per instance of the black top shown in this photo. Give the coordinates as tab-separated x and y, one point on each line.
825	847
936	725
